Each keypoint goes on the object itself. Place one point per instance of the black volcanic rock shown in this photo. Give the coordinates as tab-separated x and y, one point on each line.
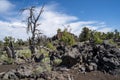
105	57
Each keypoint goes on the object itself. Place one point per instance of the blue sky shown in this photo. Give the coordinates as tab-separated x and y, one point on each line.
101	15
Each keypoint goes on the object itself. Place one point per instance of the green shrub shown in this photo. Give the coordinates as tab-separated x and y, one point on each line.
111	41
57	61
50	46
46	60
24	53
9	60
97	38
42	68
43	51
68	38
39	69
98	41
4	58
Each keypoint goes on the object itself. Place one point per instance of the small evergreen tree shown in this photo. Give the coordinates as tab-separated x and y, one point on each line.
117	34
85	34
110	35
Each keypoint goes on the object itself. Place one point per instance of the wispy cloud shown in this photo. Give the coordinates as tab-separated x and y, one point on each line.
50	20
5	6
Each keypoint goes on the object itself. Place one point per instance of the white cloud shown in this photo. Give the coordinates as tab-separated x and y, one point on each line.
50	20
5	6
14	29
106	29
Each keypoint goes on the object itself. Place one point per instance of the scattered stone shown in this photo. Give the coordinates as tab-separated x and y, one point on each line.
9	75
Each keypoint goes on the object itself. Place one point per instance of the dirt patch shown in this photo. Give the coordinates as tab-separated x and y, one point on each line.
95	75
5	68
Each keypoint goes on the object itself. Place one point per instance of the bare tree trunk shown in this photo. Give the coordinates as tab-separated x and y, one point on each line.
10	50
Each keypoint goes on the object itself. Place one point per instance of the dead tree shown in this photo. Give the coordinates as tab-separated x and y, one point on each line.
10	50
32	24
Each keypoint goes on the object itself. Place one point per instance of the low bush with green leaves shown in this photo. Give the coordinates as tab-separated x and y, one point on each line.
46	60
57	62
42	68
4	58
50	46
68	38
24	53
111	41
97	39
43	51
